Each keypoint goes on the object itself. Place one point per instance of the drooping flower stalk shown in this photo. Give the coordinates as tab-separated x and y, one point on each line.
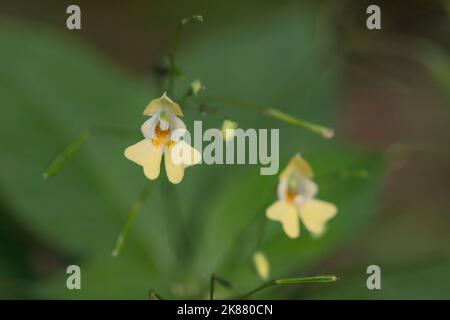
274	113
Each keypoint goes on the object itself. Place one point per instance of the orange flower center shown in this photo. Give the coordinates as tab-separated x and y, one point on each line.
161	137
161	134
290	196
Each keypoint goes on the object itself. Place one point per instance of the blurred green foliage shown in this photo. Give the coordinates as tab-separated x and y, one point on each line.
53	87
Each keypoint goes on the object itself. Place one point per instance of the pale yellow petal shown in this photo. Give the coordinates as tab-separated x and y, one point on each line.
163	103
182	153
174	171
262	265
146	154
299	165
286	214
315	214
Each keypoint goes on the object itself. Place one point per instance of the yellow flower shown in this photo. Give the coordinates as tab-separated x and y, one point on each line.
262	265
296	192
163	132
228	129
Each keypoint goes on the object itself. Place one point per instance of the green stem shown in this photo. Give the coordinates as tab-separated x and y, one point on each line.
211	290
130	219
172	61
215	278
173	68
171	76
275	114
315	128
153	295
313	279
175	222
60	160
232	253
261	287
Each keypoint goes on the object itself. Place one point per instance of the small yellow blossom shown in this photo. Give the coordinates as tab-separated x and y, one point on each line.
262	265
228	129
195	87
296	192
163	132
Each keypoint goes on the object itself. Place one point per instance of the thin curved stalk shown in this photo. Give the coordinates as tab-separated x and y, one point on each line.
137	205
276	282
61	159
274	113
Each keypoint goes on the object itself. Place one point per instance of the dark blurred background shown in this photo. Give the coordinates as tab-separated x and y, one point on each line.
391	97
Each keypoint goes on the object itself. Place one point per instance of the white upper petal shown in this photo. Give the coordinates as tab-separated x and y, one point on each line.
149	126
177	127
163	124
306	188
282	189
